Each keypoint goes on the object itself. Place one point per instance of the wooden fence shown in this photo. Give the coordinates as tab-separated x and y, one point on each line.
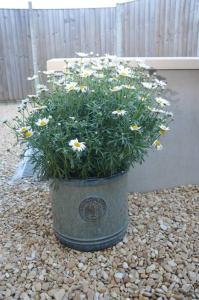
139	28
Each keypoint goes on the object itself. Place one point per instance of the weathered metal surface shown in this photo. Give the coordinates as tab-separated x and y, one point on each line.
90	214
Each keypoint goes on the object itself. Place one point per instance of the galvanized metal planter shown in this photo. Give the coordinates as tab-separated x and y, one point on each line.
90	214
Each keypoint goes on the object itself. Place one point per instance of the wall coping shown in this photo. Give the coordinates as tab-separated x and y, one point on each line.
159	63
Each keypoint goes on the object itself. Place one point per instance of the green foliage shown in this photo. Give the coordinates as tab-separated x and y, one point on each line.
110	108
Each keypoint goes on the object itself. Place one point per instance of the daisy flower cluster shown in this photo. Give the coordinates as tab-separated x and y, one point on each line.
95	118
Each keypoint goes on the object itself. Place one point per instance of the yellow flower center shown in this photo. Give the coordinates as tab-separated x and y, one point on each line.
77	144
162	131
24	129
28	134
42	123
157	143
83	88
124	72
134	126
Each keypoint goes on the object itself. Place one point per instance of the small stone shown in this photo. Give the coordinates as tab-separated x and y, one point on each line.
193	276
146	293
150	268
93	273
154	253
125	265
77	296
134	276
186	287
45	286
114	295
24	296
119	276
104	275
172	263
58	294
125	240
163	226
70	264
80	265
32	256
37	286
8	293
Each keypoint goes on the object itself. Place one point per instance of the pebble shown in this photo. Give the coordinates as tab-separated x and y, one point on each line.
150	268
186	287
105	275
37	286
58	294
80	265
163	226
118	276
125	265
172	263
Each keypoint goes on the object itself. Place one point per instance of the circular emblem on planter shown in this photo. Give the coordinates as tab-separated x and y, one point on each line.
92	209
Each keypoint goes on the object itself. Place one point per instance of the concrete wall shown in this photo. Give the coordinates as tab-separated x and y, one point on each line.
178	162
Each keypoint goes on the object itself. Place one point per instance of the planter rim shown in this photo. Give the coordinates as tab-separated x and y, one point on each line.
159	63
89	181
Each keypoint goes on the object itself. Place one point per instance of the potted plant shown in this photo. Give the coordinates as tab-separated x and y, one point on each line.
86	127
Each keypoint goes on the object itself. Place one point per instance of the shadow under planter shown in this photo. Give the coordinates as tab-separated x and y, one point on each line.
90	214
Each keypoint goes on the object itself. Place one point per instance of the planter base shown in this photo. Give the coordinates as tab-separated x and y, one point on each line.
90	215
92	244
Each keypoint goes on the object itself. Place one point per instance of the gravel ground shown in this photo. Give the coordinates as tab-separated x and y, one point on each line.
158	258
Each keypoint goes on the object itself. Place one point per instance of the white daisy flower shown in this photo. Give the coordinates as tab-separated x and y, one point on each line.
76	145
116	88
21	107
162	102
25	101
42	88
42	122
112	64
129	87
50	72
168	113
157	145
112	79
110	56
97	67
70	65
83	88
144	66
81	54
135	127
28	133
156	110
38	107
126	72
148	85
163	129
33	77
23	129
160	82
119	112
100	75
32	96
72	86
86	73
